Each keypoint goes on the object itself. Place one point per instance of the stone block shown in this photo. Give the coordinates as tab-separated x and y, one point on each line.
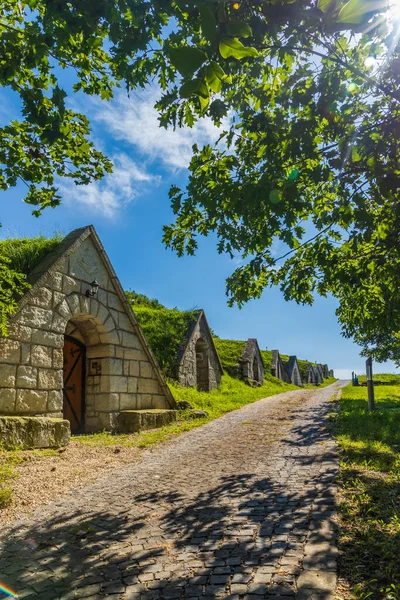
41	356
323	581
159	402
114	302
10	351
125	322
132	385
94	307
34	432
25	354
144	401
55	401
27	377
119	352
31	401
70	285
58	358
92	424
131	421
146	370
134	368
130	340
19	332
128	401
106	402
112	366
108	421
101	351
135	354
114	383
54	281
50	379
148	386
7	375
42	297
126	367
36	317
85	304
74	303
110	337
45	338
64	310
7	400
58	323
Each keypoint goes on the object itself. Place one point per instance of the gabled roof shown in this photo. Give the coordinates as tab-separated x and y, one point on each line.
247	353
69	245
191	329
291	364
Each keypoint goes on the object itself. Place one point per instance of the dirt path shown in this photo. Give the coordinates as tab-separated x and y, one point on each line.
243	506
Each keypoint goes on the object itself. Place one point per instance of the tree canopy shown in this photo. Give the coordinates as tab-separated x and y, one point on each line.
306	94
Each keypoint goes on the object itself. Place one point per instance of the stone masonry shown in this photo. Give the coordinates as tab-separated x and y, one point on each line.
198	364
121	372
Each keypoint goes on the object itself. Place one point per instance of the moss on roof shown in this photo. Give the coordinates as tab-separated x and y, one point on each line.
18	257
229	352
24	254
166	330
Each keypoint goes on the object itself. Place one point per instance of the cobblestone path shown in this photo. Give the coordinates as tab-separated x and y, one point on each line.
241	507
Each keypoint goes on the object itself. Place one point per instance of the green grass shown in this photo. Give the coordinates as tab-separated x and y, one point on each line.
369	487
232	394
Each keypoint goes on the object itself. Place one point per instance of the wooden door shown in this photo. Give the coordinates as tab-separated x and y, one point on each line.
74	383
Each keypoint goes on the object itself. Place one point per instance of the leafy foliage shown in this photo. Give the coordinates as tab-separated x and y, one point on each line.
310	145
137	299
18	257
165	330
369	491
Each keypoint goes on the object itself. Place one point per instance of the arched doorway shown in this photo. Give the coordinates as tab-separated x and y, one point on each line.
202	366
74	376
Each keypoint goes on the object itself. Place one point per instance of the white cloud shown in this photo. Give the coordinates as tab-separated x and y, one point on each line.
116	190
134	121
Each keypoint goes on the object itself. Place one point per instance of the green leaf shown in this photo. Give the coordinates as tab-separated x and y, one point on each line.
186	59
208	22
238	28
356	11
233	47
215	75
195	87
326	5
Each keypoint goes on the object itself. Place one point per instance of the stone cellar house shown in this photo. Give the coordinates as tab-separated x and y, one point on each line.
183	344
293	371
278	367
75	349
251	362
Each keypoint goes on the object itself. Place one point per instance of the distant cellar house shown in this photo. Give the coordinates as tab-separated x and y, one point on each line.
251	362
73	355
197	363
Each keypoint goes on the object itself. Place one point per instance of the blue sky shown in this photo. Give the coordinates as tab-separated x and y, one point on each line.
129	209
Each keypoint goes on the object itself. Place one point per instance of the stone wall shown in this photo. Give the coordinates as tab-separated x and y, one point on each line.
120	371
187	369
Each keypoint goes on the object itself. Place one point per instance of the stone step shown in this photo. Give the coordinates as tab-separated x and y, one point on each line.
131	421
25	433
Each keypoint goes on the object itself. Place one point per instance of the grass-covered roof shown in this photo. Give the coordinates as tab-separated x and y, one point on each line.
166	329
18	257
24	254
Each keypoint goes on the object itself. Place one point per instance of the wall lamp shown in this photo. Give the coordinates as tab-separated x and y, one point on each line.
93	289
